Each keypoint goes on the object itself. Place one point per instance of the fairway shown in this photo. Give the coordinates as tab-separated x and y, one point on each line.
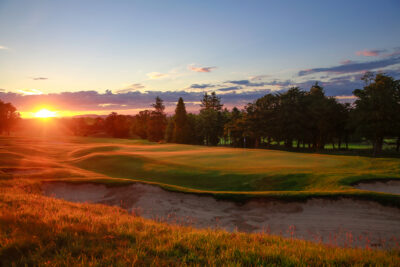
217	170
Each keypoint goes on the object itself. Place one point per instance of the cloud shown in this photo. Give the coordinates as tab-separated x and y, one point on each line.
245	83
347	61
3	47
130	88
249	83
258	77
395	52
201	69
30	92
355	66
370	53
125	103
230	88
39	78
201	86
157	75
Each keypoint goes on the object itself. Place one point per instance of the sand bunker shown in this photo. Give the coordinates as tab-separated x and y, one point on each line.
343	222
391	186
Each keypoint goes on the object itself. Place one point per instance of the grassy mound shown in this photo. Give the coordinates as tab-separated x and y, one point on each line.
222	171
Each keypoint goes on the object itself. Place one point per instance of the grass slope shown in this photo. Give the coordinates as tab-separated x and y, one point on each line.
37	230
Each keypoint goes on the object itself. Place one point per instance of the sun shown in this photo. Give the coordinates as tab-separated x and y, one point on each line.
45	113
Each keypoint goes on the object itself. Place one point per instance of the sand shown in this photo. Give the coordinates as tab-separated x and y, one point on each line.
343	222
390	186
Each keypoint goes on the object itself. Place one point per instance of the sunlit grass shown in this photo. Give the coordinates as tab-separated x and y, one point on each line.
221	171
37	230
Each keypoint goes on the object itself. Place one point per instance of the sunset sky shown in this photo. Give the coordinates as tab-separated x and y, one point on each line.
92	57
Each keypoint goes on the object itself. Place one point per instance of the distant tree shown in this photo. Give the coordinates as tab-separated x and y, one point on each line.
8	117
141	123
181	126
234	128
118	126
290	115
157	122
169	132
211	102
195	134
211	119
377	110
319	114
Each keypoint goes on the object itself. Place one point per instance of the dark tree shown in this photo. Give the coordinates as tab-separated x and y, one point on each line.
377	110
211	119
169	131
181	126
8	117
141	122
118	126
157	122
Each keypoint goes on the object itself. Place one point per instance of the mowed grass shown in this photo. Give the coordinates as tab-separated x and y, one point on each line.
229	169
40	231
222	171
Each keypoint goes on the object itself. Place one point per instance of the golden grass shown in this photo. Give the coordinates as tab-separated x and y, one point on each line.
38	230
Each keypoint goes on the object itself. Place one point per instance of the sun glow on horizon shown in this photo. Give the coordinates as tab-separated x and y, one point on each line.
45	113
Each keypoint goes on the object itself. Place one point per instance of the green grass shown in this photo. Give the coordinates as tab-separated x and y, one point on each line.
224	172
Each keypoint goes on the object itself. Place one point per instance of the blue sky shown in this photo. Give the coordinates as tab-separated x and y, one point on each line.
238	48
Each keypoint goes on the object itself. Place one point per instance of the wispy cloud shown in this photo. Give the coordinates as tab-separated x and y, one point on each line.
39	78
355	66
2	47
259	77
249	83
225	89
395	52
201	86
370	53
246	83
157	75
201	69
130	88
346	61
30	92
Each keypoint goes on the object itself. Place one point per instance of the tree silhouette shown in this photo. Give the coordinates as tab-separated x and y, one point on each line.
181	127
211	119
377	110
157	122
8	117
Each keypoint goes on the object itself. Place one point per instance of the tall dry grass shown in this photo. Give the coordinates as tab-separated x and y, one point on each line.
38	230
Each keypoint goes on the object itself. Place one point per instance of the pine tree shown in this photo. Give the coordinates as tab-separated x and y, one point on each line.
181	123
157	122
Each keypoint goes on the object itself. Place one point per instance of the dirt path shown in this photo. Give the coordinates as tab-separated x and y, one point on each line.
344	222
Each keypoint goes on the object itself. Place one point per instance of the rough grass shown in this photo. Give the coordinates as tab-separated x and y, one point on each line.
37	230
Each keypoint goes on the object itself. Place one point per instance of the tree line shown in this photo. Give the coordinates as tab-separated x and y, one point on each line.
295	118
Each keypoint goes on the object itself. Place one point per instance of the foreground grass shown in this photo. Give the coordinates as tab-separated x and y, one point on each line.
37	230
